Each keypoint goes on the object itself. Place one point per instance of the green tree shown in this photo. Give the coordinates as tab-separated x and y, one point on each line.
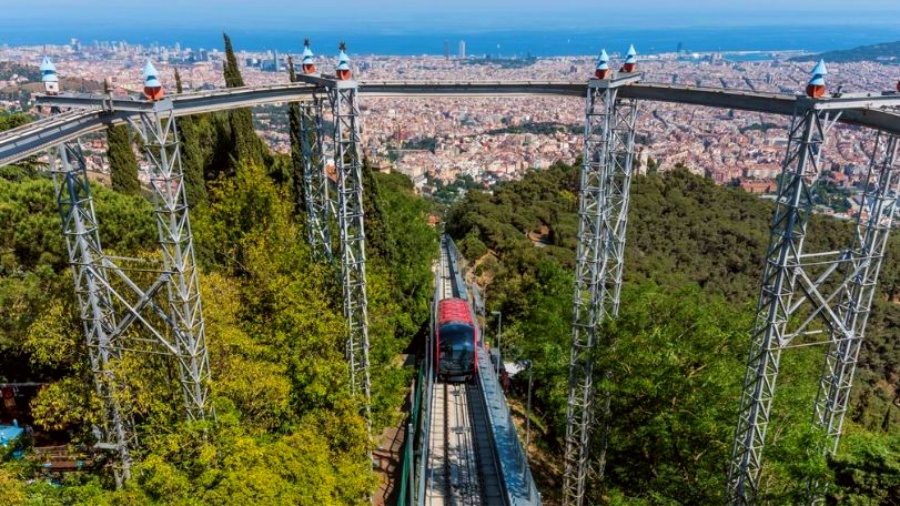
122	162
297	165
123	166
378	231
246	145
12	490
192	158
233	77
9	121
867	471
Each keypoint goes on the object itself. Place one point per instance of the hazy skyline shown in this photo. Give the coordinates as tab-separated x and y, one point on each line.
504	27
458	15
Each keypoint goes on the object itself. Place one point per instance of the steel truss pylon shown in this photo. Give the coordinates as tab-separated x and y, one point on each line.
315	182
95	301
110	301
184	311
348	165
860	278
603	218
786	285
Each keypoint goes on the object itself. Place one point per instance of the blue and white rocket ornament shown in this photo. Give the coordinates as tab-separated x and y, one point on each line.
602	70
816	86
308	65
153	89
49	77
343	66
630	60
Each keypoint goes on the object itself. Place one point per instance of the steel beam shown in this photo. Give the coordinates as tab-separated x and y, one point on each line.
784	277
95	302
33	138
603	213
159	133
872	110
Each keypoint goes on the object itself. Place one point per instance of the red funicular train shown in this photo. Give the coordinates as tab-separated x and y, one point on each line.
455	341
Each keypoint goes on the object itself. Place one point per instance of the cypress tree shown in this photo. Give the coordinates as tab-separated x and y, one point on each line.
233	78
246	145
179	88
123	166
379	239
191	154
296	147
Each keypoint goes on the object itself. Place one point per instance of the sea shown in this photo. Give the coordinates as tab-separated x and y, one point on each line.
496	43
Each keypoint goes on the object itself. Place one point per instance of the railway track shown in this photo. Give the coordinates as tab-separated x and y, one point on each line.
488	472
461	469
447	290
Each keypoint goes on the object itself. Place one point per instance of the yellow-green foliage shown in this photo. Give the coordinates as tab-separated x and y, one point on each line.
12	489
287	431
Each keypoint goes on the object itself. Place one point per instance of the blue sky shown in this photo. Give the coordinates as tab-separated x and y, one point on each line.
408	16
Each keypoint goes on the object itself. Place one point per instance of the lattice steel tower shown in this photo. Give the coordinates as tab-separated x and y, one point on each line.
318	201
342	95
110	301
833	288
315	182
159	133
603	219
862	263
348	164
95	301
783	272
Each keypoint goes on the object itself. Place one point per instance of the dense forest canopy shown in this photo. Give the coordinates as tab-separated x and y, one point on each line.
675	358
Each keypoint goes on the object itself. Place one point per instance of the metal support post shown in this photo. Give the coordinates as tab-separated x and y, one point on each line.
160	136
528	419
783	278
76	207
873	227
348	164
410	431
618	196
315	181
499	316
603	218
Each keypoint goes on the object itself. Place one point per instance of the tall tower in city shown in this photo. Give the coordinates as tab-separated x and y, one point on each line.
447	49
462	49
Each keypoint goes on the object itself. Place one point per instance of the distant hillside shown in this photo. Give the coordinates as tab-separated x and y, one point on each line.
888	52
9	69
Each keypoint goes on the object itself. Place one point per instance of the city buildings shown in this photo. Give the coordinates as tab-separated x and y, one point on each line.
495	139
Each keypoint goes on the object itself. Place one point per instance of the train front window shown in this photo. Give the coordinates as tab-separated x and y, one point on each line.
456	345
456	336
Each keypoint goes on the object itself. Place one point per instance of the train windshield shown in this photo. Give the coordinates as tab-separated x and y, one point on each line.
457	346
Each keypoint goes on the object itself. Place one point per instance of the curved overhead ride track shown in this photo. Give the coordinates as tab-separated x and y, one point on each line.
96	111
